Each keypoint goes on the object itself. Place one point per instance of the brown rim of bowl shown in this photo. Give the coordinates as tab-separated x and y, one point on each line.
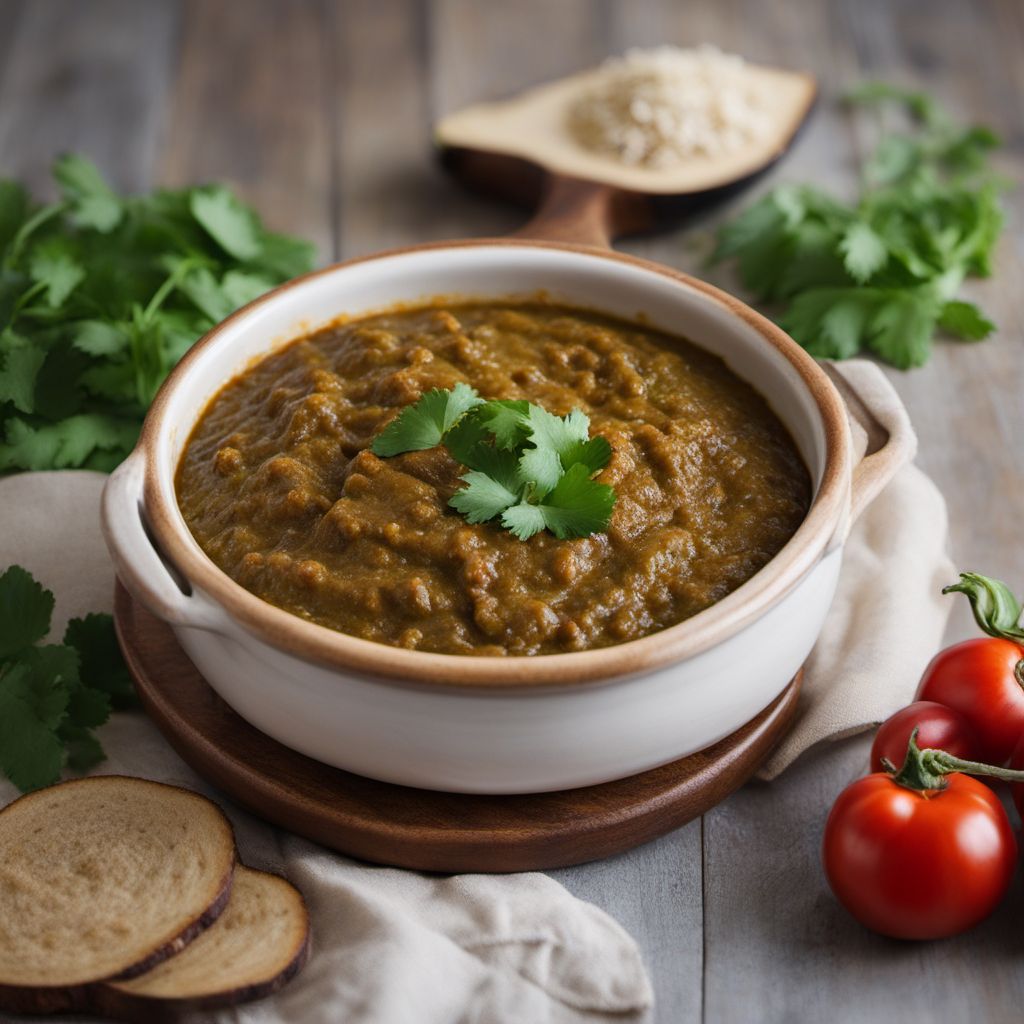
327	647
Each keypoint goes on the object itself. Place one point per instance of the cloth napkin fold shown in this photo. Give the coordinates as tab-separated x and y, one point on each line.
889	615
390	946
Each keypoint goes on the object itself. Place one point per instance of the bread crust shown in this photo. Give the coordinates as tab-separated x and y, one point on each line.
49	999
111	999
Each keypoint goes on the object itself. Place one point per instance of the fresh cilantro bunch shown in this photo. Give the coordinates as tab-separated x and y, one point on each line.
881	274
526	465
101	294
53	695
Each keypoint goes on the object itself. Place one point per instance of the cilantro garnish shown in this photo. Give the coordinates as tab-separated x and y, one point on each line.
524	464
883	273
101	294
53	695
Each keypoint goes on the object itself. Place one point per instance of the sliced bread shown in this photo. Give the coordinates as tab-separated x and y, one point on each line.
104	877
258	944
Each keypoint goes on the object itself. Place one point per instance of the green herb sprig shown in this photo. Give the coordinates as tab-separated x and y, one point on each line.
882	273
52	696
525	465
101	294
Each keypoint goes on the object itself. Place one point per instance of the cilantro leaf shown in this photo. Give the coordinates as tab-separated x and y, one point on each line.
240	288
577	507
83	750
500	465
100	296
66	443
33	700
87	707
524	464
229	222
830	322
902	328
524	520
18	377
53	266
864	253
30	751
557	432
102	667
881	272
594	454
14	210
422	425
283	256
203	289
507	420
93	204
541	467
965	320
100	338
764	219
53	695
468	439
482	498
25	610
556	442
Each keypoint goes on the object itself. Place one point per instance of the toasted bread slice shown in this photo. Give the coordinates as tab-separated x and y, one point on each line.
104	877
259	943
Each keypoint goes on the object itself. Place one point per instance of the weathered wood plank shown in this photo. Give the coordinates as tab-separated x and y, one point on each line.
10	17
392	190
251	109
92	78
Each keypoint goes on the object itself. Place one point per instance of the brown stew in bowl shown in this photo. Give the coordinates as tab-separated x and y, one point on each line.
279	488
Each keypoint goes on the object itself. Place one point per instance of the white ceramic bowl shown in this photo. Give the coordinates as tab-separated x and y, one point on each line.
499	725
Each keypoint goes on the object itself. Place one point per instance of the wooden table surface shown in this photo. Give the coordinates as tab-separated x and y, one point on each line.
320	114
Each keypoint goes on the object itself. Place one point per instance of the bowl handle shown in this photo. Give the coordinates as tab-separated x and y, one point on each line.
139	565
873	403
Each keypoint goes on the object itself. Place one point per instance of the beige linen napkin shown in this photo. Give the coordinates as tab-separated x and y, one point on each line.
888	616
390	946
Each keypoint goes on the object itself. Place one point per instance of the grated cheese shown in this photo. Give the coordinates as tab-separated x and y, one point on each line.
658	107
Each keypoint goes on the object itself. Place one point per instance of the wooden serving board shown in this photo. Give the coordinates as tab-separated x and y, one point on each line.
416	828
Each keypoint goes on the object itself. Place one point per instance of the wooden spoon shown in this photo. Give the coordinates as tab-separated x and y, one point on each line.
521	150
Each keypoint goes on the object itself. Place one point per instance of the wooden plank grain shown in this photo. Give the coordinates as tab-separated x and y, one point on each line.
391	192
251	109
89	78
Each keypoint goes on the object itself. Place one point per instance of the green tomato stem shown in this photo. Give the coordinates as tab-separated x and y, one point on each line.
927	769
996	610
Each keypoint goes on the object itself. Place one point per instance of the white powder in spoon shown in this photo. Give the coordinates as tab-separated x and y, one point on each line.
657	107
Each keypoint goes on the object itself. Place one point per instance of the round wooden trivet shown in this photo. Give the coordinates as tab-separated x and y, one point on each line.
416	828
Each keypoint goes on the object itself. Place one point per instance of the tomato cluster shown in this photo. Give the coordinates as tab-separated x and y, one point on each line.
918	850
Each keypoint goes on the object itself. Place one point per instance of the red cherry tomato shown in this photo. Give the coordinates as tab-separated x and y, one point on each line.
919	864
938	726
981	679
